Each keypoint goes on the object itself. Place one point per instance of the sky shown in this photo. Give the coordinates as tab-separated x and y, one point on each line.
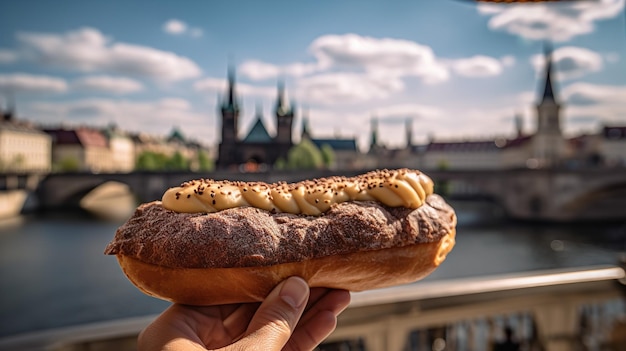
447	69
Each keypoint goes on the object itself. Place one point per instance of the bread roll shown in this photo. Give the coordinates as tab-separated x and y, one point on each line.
239	254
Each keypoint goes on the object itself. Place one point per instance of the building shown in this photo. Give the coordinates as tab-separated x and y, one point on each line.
23	147
122	149
80	149
257	147
345	151
548	143
613	145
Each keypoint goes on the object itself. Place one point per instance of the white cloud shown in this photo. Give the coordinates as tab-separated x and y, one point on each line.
589	105
374	56
556	22
175	27
178	27
347	88
219	86
196	32
107	84
477	66
612	57
88	50
257	70
508	60
587	94
155	117
417	112
379	56
28	83
570	62
8	56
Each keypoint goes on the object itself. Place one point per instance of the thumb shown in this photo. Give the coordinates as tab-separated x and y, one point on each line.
278	315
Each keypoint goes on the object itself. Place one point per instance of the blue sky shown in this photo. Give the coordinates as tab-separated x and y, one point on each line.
457	70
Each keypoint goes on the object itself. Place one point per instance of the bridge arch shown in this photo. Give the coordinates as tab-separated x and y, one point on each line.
600	200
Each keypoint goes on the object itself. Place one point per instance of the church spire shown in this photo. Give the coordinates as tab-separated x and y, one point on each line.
548	89
284	117
281	105
231	99
306	132
409	132
374	131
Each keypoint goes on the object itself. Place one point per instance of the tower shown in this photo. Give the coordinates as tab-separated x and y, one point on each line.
230	111
230	119
519	125
548	142
374	135
284	117
306	133
409	132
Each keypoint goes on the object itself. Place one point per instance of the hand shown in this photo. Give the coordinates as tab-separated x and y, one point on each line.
284	321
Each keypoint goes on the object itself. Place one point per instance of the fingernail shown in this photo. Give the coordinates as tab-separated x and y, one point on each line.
294	292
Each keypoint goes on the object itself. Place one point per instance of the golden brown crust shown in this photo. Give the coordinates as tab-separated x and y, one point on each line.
355	272
239	254
247	236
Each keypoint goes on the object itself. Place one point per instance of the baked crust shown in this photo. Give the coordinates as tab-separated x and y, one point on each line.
239	255
250	237
355	272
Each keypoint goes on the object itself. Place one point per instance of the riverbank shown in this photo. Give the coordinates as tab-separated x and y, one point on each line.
12	202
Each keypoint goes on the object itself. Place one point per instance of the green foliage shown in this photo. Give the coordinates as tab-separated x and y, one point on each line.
305	156
328	155
68	164
155	161
205	164
443	187
177	163
280	164
151	161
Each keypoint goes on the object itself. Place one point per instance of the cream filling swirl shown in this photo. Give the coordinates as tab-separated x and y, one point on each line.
393	188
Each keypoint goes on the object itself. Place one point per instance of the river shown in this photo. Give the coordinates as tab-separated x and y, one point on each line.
54	273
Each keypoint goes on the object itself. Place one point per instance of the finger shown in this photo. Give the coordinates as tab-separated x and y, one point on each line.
237	321
331	300
277	317
319	321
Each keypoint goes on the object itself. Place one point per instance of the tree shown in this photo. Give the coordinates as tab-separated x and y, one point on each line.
328	155
280	164
68	164
177	162
305	156
151	161
204	162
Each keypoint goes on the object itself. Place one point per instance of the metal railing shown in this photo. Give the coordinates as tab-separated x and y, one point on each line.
554	310
545	310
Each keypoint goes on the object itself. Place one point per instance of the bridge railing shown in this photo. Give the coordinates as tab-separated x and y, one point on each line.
580	309
547	310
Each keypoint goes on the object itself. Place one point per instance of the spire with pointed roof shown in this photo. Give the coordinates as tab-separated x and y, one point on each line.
9	110
374	131
231	99
306	133
548	89
519	125
409	132
281	105
284	116
230	118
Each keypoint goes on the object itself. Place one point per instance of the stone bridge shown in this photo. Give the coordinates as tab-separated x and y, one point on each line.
545	194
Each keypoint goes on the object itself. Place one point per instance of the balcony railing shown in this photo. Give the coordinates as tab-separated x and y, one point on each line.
582	309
